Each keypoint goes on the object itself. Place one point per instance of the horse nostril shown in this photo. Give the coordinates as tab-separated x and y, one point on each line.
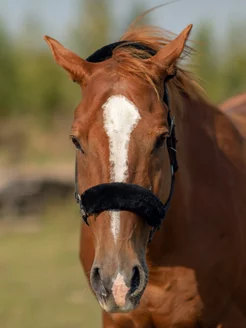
135	281
96	274
97	283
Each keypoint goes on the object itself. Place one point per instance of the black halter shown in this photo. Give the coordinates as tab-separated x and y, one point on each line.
121	196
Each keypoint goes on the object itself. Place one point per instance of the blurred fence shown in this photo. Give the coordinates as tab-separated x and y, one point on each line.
26	194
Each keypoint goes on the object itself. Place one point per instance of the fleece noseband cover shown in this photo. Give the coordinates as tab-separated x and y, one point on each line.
119	196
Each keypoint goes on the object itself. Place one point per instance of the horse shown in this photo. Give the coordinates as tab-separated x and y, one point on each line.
235	108
234	103
160	179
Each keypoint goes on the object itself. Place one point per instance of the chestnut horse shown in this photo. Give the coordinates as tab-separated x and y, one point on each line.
192	273
235	109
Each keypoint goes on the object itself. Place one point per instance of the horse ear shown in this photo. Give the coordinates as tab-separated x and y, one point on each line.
169	54
78	68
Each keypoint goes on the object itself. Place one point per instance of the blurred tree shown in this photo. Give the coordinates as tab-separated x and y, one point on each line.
234	63
206	59
8	78
34	88
40	88
93	26
222	68
31	84
136	11
96	24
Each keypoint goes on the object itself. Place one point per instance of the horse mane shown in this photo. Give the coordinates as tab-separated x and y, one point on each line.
129	61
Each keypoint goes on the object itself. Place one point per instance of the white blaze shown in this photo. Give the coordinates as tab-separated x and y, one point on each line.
120	118
119	290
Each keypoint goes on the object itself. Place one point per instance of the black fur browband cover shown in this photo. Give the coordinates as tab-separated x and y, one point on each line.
107	51
120	196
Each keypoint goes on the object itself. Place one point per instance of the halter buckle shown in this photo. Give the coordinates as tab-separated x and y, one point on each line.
83	212
77	197
81	207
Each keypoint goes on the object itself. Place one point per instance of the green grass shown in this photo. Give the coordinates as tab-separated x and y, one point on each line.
42	284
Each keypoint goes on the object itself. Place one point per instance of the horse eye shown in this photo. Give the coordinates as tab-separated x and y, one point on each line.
160	141
76	144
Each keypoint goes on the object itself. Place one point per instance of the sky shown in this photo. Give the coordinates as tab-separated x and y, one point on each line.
56	16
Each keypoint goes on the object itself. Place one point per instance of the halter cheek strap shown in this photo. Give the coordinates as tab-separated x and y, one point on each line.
122	196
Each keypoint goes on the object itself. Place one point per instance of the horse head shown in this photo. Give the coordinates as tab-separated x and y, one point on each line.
120	131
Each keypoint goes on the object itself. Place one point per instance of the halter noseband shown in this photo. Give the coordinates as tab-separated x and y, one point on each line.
119	196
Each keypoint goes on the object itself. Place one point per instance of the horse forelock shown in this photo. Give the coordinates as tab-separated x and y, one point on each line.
129	63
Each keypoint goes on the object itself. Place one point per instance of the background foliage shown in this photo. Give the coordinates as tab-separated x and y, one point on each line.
37	99
30	83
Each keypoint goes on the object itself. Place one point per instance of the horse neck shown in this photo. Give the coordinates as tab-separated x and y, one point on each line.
197	154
